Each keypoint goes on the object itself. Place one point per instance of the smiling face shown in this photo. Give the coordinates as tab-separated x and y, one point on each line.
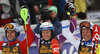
86	34
46	34
11	34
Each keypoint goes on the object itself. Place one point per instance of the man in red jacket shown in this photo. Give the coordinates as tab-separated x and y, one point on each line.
14	46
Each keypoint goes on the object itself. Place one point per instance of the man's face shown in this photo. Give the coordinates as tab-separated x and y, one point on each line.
53	14
11	34
46	34
86	34
36	9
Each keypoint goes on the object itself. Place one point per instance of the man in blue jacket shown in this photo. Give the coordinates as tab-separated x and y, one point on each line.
53	19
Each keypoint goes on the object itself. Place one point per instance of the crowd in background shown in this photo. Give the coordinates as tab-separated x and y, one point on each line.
10	9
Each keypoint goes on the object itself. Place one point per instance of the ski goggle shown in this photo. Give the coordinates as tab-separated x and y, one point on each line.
9	26
46	28
84	24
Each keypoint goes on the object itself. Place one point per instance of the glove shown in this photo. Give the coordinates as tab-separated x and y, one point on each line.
69	9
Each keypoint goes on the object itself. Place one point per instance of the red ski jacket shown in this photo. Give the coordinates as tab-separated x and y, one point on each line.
22	44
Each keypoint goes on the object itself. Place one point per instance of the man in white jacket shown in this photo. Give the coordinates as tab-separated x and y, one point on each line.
83	45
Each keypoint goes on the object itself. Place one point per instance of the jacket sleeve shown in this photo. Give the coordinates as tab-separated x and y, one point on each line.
68	35
36	30
61	39
36	39
1	42
30	37
57	27
73	24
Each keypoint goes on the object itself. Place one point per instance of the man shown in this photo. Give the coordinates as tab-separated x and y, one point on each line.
54	12
83	45
53	19
14	46
48	43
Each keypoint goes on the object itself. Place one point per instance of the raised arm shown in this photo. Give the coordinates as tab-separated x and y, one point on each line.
30	36
57	27
36	30
68	35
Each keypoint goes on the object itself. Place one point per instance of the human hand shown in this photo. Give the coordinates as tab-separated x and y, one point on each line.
69	9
